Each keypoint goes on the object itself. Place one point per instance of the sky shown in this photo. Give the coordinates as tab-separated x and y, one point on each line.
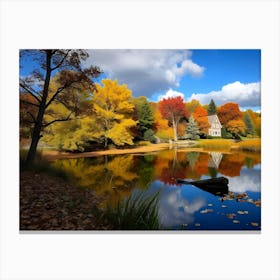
221	75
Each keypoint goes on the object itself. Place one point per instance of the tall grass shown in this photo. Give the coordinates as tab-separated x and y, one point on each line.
251	145
215	144
139	211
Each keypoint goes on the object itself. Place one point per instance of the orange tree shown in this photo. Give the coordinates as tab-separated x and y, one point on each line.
200	116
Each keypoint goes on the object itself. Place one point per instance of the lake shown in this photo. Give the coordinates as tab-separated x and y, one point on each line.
181	206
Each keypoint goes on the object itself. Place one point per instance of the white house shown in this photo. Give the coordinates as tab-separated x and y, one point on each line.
215	126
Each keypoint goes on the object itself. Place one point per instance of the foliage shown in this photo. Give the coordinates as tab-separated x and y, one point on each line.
139	211
113	110
250	129
49	61
163	131
228	112
212	109
173	109
192	129
200	116
192	106
145	115
73	135
236	127
149	136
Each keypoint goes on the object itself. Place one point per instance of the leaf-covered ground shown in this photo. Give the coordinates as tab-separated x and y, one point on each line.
50	203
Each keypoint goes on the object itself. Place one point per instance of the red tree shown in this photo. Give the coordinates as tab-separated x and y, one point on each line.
228	112
173	109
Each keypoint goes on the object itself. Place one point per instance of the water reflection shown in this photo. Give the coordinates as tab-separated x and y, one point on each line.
115	177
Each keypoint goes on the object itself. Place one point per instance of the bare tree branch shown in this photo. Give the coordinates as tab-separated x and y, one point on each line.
29	91
28	102
33	118
58	120
61	61
60	90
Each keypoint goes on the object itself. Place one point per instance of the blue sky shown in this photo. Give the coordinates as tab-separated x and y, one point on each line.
223	75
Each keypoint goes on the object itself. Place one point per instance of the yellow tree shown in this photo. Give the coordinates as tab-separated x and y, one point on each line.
113	109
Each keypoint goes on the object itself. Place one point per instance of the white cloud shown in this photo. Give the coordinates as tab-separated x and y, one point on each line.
250	180
246	95
175	209
171	93
146	71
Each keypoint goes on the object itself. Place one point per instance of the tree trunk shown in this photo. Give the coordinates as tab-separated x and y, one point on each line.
174	129
36	135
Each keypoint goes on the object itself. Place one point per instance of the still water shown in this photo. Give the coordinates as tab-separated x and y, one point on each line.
181	206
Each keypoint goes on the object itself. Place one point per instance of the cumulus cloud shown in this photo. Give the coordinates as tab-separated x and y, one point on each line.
246	95
146	71
175	209
171	93
249	180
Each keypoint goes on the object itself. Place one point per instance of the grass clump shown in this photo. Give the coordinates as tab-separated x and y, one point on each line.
215	144
139	211
251	145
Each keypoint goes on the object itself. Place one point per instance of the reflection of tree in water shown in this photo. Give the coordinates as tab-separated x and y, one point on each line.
110	176
174	167
231	164
192	158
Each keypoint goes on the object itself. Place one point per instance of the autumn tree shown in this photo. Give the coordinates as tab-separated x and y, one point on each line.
113	109
47	63
192	106
173	109
212	109
201	117
228	112
236	127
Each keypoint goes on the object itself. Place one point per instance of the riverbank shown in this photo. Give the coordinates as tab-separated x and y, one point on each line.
220	145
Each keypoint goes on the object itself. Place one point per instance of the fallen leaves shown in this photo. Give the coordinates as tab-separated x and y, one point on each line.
50	203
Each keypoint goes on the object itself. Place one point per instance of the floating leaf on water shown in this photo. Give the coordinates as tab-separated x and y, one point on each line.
197	225
240	212
246	212
235	221
254	224
206	211
231	215
224	206
210	204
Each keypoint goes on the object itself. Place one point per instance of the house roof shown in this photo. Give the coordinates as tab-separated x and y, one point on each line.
213	118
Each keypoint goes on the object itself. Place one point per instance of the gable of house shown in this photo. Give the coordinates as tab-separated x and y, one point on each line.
215	126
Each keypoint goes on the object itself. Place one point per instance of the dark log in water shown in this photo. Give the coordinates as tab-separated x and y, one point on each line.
216	186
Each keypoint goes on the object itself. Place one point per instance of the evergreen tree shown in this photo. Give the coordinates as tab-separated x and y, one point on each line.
250	129
212	109
144	115
192	130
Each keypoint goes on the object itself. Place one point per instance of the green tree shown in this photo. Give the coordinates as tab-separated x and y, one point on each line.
250	129
212	109
192	130
37	84
145	115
